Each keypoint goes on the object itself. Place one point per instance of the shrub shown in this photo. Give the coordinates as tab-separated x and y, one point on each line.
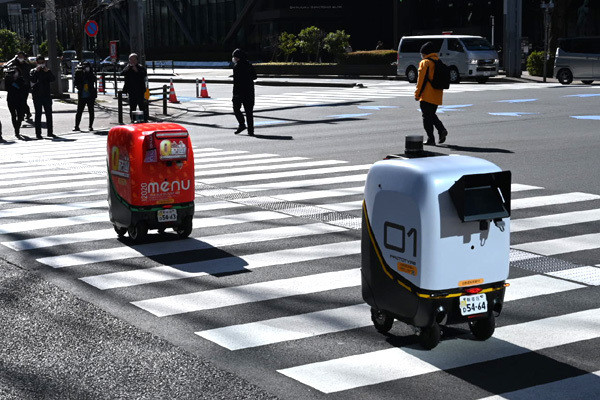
336	43
288	44
10	44
535	64
377	57
309	40
44	48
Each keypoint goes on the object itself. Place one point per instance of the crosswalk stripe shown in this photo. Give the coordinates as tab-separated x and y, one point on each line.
287	174
154	249
554	220
50	208
563	245
219	153
222	265
391	364
42	179
231	171
540	201
518	187
74	183
345	318
231	164
302	183
207	160
32	172
587	275
26	226
217	298
51	196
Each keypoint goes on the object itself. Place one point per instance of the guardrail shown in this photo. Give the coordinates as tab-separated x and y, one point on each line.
157	90
164	64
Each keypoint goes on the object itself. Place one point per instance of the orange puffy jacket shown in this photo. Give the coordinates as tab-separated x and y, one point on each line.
428	93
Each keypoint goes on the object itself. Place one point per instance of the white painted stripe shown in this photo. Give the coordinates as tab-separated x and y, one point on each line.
561	246
230	296
319	194
541	201
587	275
222	265
554	220
289	174
219	153
21	173
205	161
387	365
43	179
289	328
26	226
302	183
50	196
230	164
336	320
341	207
52	208
51	186
153	249
517	187
230	171
582	387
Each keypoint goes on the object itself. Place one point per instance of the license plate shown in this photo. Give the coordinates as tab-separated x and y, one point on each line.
487	73
474	304
169	215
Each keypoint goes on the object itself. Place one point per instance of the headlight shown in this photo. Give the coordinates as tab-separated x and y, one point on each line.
473	61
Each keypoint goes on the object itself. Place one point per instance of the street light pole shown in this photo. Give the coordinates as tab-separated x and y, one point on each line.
547	7
52	48
136	29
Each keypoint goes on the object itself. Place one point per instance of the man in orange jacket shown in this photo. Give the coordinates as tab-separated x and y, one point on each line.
429	97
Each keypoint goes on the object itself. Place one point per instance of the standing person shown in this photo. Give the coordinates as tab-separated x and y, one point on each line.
243	91
41	77
85	82
135	85
16	92
429	97
21	63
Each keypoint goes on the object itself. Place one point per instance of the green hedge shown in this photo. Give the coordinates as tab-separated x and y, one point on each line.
535	64
371	57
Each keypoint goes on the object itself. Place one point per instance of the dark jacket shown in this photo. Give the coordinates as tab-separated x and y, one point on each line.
24	68
16	90
243	79
85	82
40	83
135	82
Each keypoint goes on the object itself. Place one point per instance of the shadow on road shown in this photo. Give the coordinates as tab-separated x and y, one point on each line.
472	149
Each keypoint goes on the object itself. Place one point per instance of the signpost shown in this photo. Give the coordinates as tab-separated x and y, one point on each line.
91	28
114	57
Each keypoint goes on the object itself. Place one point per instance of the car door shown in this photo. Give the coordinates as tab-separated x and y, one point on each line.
453	53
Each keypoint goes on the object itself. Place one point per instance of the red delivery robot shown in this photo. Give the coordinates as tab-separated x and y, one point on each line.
150	179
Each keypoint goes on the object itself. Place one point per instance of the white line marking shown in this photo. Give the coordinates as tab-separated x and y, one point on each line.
561	246
554	220
541	201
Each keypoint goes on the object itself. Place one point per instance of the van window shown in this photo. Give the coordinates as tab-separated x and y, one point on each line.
580	45
454	45
414	45
475	44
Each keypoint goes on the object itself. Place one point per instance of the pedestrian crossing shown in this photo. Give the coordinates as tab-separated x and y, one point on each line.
269	274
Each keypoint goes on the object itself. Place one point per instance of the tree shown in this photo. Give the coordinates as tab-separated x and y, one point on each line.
336	43
10	44
44	48
310	40
288	44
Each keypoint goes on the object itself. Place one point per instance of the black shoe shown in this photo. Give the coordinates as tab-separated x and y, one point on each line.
429	143
239	129
250	132
76	129
51	135
40	137
443	136
91	129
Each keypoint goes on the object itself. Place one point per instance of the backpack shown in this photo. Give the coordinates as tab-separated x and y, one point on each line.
441	75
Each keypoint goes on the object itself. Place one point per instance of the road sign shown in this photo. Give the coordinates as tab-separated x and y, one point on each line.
14	9
114	50
91	28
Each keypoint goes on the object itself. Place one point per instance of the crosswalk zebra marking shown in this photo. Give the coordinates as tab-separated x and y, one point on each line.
50	208
232	171
74	183
554	220
381	366
540	201
302	183
52	196
587	275
232	164
27	226
563	245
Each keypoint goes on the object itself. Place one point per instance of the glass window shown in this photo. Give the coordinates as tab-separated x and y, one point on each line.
475	44
454	45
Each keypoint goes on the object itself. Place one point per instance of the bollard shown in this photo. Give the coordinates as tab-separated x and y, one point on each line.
120	106
165	99
116	86
197	88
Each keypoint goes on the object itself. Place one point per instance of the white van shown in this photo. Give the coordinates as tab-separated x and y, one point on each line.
467	56
577	58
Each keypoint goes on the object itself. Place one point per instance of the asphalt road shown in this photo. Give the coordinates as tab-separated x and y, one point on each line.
267	287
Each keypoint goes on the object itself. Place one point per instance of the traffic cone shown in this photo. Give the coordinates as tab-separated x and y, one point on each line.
204	90
172	95
101	84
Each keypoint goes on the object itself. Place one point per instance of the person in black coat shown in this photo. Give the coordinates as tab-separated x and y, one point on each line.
16	93
135	85
21	63
85	82
41	77
243	91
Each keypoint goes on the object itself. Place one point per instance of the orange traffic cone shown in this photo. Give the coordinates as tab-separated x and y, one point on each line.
172	95
204	90
101	84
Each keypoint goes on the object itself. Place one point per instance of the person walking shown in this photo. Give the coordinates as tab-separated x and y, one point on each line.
41	77
243	91
428	97
21	63
135	85
85	82
16	91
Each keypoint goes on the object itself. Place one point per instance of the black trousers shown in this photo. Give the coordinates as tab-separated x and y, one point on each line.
137	102
430	119
81	104
248	104
16	115
44	103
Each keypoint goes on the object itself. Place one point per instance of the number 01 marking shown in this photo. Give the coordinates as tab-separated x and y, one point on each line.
395	237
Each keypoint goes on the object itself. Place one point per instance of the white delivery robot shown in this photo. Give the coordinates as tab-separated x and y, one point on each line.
435	242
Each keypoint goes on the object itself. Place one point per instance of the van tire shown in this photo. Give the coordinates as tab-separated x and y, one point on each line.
564	76
412	75
587	82
454	75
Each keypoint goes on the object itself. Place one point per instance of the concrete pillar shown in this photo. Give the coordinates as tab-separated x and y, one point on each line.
511	49
136	29
53	62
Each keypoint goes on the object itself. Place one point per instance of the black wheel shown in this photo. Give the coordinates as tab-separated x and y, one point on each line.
383	321
120	231
587	82
454	75
185	229
564	76
483	328
482	79
412	75
161	231
430	336
138	232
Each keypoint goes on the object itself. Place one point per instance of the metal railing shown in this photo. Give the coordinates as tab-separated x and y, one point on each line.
157	90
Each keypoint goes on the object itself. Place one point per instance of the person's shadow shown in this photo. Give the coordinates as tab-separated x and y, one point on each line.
472	149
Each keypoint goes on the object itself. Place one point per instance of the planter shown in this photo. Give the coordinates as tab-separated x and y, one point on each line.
326	69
